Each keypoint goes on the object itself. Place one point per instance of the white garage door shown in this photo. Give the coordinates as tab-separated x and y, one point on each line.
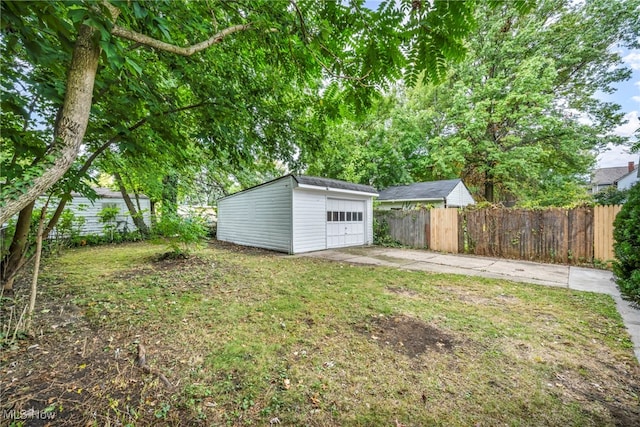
345	223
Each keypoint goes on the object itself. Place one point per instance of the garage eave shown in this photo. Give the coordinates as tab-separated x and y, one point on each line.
337	190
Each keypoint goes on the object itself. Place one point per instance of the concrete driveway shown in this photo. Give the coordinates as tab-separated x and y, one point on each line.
563	276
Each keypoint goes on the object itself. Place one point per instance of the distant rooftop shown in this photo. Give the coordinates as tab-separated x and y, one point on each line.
431	190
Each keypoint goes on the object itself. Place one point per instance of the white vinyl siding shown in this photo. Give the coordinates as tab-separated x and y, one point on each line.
628	180
309	229
368	217
83	207
259	217
459	196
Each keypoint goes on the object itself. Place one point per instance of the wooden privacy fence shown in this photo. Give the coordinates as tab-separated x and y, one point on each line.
603	217
570	236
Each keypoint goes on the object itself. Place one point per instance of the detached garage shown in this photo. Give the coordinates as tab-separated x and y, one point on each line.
297	213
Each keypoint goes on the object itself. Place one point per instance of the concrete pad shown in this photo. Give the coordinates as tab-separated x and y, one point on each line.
403	254
548	273
463	261
592	280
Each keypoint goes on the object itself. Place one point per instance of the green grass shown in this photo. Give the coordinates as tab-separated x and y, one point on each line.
250	336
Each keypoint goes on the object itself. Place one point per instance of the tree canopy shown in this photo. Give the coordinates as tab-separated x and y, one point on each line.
517	119
250	64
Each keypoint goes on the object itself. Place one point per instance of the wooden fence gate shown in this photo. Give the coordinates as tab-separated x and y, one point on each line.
444	229
603	217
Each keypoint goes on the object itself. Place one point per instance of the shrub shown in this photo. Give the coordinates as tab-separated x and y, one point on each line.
627	246
183	234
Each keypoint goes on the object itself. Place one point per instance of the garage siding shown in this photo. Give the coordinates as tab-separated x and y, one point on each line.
309	220
368	229
258	217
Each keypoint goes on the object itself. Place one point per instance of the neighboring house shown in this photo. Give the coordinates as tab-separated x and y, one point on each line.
447	193
630	179
81	206
607	177
297	213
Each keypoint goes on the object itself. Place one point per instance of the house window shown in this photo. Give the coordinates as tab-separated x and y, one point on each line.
328	216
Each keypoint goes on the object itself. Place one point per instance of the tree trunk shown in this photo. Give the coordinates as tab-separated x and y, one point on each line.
72	126
36	267
137	218
488	187
170	195
17	250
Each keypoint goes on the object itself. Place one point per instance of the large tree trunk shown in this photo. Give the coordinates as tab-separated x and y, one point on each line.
72	126
489	187
137	219
14	260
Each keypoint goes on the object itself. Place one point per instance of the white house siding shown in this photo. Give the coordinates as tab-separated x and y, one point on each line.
459	196
259	217
628	180
83	207
309	220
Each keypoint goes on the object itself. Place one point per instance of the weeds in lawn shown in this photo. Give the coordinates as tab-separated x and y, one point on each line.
251	337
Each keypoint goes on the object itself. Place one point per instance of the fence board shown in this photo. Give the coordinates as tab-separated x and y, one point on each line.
444	229
550	235
603	217
409	228
571	236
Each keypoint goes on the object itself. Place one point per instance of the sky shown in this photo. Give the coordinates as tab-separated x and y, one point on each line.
628	97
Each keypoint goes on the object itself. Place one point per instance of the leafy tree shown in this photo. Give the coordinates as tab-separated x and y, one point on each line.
311	37
626	247
611	196
517	119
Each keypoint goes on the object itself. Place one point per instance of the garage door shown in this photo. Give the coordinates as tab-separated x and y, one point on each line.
345	223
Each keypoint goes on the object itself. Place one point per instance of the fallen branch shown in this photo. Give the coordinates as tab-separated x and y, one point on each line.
141	362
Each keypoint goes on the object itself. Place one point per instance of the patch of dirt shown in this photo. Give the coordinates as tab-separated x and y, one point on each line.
409	293
248	250
408	336
598	398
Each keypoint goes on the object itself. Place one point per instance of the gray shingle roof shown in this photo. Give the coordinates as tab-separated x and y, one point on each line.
608	176
333	183
432	190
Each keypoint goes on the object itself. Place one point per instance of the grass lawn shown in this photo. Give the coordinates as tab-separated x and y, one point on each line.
250	337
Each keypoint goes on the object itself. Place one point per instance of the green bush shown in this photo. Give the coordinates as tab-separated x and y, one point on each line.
381	232
627	246
183	234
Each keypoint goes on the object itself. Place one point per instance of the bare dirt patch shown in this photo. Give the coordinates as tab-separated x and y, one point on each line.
405	292
408	335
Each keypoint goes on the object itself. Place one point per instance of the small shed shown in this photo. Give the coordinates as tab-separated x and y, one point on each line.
447	193
298	213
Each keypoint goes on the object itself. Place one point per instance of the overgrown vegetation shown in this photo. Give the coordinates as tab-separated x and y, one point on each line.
249	337
627	246
183	234
611	196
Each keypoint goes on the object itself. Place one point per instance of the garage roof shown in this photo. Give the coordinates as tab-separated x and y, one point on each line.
432	190
333	183
321	183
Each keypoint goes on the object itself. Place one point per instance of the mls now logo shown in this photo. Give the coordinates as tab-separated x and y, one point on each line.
28	414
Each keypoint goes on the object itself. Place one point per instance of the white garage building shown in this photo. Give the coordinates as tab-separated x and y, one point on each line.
297	213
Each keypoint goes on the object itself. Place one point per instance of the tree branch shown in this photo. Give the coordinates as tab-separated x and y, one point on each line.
178	50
